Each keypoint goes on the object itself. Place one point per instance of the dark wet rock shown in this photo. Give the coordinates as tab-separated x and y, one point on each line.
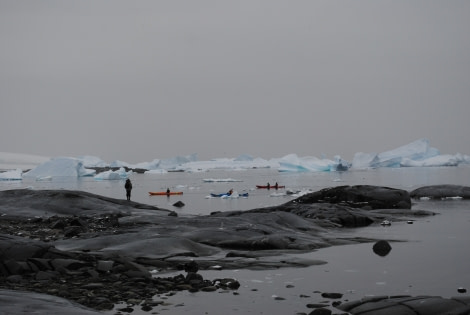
382	248
116	243
64	202
316	305
179	204
19	302
418	305
332	295
191	267
360	196
441	192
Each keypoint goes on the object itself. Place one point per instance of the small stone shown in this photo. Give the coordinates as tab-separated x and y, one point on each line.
209	289
316	305
179	204
332	295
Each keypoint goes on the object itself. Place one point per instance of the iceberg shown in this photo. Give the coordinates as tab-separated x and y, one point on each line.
12	175
60	167
439	160
414	151
294	163
414	154
92	161
113	175
171	164
119	163
230	164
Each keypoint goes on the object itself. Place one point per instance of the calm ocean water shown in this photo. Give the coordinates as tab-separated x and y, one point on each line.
429	257
196	190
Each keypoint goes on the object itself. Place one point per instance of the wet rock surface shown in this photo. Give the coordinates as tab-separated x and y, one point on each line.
403	305
100	251
441	192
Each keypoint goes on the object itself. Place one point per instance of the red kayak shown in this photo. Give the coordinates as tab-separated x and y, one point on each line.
270	187
164	193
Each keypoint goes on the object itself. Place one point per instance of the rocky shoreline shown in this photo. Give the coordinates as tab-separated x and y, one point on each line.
100	252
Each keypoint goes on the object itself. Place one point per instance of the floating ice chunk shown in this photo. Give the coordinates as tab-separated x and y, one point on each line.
293	163
92	161
364	160
220	180
119	163
12	175
156	171
406	155
244	158
59	167
113	175
148	165
440	160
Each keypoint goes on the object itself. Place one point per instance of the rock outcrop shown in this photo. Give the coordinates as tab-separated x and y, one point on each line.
418	305
441	192
360	196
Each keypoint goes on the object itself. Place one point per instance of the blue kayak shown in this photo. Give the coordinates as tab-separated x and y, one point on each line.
227	195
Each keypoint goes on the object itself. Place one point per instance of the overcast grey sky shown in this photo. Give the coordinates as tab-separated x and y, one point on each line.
139	80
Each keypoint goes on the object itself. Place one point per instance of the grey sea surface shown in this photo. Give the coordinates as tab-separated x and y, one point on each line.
196	187
429	255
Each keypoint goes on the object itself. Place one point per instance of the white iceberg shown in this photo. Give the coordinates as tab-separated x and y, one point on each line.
156	171
12	175
439	160
416	154
92	161
113	175
172	164
294	163
240	163
119	163
60	167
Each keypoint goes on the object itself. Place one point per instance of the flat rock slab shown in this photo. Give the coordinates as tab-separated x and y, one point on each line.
23	302
408	305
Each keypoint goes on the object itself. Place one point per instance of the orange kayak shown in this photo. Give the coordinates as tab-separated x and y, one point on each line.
164	193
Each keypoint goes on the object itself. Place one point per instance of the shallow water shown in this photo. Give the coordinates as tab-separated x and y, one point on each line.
428	257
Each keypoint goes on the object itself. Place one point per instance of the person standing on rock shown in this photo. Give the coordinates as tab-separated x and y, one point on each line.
128	187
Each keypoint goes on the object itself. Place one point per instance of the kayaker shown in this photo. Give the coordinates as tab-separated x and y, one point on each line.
276	186
168	191
230	192
268	186
128	187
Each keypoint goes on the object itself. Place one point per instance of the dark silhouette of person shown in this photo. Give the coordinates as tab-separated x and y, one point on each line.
168	191
229	193
128	187
276	186
268	185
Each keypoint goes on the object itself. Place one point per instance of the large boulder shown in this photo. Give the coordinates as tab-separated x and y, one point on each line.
441	192
360	196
